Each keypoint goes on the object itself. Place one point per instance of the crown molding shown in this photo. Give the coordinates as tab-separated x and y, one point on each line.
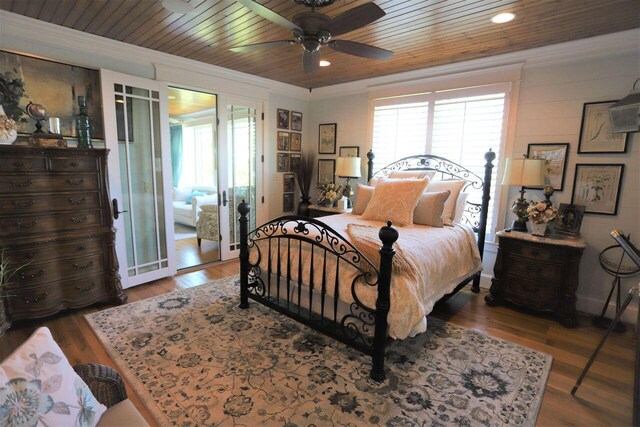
49	41
600	46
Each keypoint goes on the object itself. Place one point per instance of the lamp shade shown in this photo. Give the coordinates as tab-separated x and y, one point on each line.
348	167
524	172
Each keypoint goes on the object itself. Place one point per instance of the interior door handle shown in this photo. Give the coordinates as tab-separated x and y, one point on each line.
116	212
224	198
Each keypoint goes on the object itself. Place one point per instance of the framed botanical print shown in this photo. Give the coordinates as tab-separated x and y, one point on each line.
283	141
289	183
296	141
597	186
287	202
570	219
352	151
596	131
295	161
283	119
555	162
327	138
284	162
326	171
296	121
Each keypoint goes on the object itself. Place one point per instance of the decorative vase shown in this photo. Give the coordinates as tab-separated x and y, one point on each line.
8	129
303	206
539	229
83	125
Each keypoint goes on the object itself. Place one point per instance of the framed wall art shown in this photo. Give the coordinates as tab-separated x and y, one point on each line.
326	171
296	141
570	219
555	162
287	202
351	151
289	183
596	130
327	138
296	121
295	161
597	187
283	141
284	162
283	119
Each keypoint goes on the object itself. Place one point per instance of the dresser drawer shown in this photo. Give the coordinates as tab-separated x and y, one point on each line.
56	269
22	164
85	291
49	223
38	301
537	252
58	202
50	183
45	252
531	294
537	270
73	164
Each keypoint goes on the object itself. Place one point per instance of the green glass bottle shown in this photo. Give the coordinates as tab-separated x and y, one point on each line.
83	125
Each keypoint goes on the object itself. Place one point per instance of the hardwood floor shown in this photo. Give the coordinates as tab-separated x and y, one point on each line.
188	254
603	399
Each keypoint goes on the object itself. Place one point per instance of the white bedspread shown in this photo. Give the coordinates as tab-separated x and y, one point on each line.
445	256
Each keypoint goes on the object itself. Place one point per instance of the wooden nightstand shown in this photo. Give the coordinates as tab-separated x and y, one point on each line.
537	272
317	211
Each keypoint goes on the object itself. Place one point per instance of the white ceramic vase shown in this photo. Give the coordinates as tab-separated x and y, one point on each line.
8	129
539	229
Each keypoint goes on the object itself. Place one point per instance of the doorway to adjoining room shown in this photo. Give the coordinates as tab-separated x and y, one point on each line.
194	158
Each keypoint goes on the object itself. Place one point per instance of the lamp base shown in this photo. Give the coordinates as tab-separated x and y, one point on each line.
519	225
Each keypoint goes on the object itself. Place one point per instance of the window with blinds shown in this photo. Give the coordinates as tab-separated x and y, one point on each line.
458	125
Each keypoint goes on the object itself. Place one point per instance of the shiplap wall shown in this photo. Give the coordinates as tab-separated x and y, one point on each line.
550	110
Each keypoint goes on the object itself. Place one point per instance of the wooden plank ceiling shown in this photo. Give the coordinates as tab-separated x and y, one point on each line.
421	33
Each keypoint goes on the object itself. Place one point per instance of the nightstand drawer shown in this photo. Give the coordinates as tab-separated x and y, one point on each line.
537	252
532	294
535	270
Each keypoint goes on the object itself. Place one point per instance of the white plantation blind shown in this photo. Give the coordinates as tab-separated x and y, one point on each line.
461	126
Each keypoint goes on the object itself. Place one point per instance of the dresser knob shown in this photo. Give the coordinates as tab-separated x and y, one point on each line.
32	300
21	184
25	205
83	267
85	289
77	201
75	182
25	276
79	220
23	226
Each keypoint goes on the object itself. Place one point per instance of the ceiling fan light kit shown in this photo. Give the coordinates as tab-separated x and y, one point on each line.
313	30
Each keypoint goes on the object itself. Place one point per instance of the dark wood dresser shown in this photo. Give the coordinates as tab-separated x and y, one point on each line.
55	220
540	273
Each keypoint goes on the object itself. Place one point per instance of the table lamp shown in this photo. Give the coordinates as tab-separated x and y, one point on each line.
523	172
348	167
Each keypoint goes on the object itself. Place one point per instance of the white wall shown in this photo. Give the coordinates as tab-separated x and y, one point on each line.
550	110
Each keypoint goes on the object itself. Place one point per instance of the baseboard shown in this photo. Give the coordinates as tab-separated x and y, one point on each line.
485	281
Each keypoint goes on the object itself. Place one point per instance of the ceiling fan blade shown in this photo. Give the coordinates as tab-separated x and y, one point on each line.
360	49
355	18
311	61
269	14
257	46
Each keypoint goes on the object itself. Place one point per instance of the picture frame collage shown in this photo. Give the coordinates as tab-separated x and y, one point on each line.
596	186
289	152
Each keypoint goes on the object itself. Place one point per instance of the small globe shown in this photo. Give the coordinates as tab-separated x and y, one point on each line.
36	111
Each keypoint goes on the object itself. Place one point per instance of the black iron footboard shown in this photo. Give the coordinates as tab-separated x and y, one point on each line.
280	287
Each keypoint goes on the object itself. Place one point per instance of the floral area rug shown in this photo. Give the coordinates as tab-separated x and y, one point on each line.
195	358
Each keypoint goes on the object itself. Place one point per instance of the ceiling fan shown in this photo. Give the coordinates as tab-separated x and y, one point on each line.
313	30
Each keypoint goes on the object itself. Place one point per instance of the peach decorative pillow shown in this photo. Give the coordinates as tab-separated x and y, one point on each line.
460	205
412	174
455	186
362	200
429	209
394	200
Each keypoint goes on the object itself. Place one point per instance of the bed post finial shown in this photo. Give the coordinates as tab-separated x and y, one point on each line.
388	235
243	209
489	156
370	156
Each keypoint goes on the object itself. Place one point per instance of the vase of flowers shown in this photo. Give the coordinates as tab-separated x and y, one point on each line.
541	214
11	92
329	193
303	170
8	128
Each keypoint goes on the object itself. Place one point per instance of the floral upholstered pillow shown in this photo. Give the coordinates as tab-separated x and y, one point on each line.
394	200
38	387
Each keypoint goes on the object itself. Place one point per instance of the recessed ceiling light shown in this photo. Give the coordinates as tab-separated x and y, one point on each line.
178	6
504	17
324	63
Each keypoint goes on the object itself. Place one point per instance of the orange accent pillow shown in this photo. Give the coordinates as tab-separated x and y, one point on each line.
395	200
362	199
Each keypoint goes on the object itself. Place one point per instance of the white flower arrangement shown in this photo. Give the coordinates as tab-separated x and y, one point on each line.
330	192
541	212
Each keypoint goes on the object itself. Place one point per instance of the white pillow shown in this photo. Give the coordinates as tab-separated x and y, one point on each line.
460	205
404	175
180	195
455	186
54	394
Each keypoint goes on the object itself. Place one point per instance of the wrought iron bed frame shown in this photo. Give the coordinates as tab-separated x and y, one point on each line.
290	233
